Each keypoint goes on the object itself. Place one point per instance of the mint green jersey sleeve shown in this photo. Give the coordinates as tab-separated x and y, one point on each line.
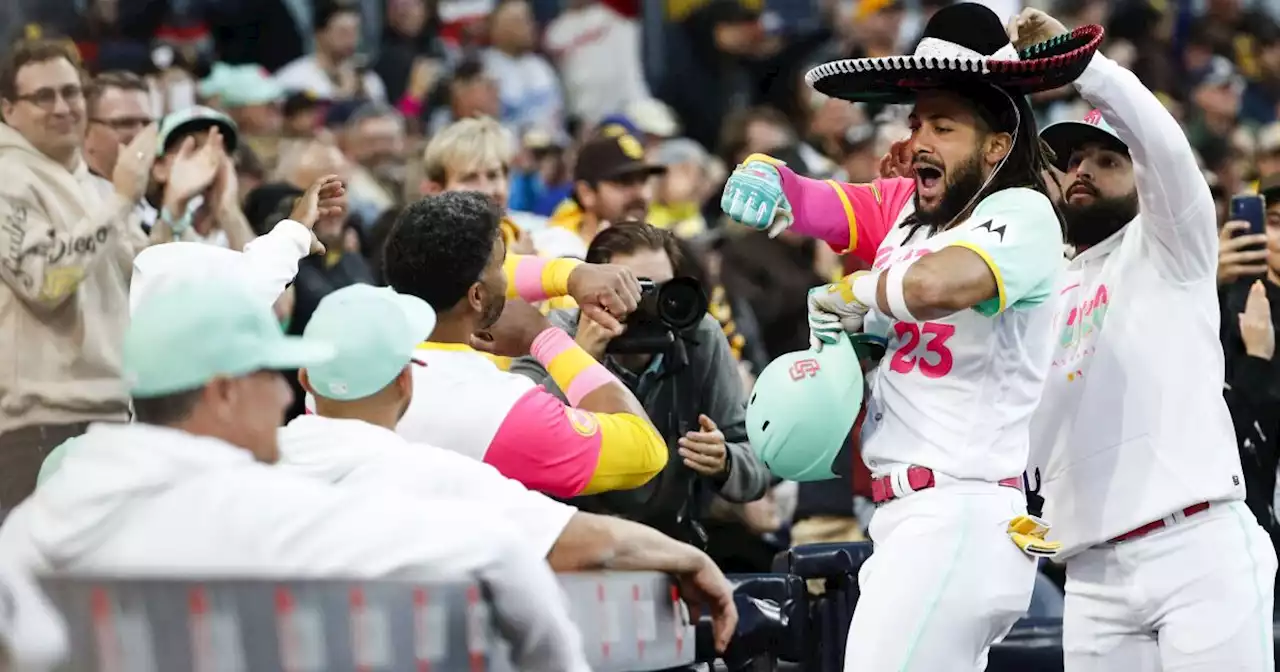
1017	233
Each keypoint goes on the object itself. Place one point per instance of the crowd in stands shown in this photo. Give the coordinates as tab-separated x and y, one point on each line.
599	131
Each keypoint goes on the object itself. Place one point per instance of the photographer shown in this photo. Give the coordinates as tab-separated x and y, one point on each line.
687	380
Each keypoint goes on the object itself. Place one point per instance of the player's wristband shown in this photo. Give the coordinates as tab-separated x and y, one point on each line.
864	287
537	279
894	293
575	372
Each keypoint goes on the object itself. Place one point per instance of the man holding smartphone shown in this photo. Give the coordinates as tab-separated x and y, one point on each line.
1249	293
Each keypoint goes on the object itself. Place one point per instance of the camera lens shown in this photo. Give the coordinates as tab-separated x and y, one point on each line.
681	303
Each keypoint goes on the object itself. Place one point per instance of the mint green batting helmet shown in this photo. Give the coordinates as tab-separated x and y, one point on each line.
802	408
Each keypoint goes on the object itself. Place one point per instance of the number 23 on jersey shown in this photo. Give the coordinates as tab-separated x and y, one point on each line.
922	347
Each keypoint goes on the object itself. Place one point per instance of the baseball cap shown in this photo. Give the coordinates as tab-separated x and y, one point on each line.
186	334
1219	72
177	125
1269	139
296	102
374	332
802	408
1269	188
246	85
612	157
1064	137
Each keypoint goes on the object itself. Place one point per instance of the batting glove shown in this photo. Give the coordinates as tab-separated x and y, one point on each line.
1028	533
834	310
753	196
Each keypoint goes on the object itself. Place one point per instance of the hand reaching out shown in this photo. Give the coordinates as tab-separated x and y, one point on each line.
1256	329
326	197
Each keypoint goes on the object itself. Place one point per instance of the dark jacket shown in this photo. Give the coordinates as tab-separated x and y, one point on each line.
1252	392
673	395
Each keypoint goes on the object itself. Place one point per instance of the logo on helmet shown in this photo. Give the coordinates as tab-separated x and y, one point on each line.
805	368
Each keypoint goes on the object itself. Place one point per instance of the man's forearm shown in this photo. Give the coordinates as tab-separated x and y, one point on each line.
929	288
237	228
594	542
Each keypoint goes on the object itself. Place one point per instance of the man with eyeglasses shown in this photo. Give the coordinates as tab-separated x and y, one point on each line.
66	255
118	107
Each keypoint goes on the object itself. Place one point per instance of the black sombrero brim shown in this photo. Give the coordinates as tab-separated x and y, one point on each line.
1066	137
896	79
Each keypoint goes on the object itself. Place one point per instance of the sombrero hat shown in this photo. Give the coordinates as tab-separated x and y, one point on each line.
1065	137
962	44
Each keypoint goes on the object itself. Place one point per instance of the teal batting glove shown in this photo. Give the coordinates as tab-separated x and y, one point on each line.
753	196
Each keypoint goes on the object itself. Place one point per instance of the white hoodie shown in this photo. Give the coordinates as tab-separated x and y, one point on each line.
144	500
361	455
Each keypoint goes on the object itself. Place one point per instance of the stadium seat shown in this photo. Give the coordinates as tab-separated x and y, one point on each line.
773	620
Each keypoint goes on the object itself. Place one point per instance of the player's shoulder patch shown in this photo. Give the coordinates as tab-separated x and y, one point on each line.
583	422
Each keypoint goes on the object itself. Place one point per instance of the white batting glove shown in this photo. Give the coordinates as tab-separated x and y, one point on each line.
832	310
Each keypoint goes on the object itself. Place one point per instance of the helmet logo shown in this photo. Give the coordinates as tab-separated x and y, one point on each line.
805	368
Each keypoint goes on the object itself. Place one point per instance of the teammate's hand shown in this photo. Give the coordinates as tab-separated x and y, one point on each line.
833	310
514	331
607	293
704	451
1240	256
753	196
1031	27
1256	328
897	161
706	588
1028	533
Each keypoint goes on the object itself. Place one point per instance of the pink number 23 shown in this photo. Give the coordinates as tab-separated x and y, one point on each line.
910	334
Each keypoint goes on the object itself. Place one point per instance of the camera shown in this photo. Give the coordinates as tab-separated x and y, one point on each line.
666	310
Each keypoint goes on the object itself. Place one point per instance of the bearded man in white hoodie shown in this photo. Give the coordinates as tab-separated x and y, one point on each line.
187	490
363	391
1167	569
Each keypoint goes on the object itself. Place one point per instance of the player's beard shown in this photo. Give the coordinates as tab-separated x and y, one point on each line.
962	183
1088	225
495	302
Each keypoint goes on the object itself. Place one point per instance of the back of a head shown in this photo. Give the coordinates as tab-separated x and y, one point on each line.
439	247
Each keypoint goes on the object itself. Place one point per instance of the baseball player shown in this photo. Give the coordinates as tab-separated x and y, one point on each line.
1167	569
966	256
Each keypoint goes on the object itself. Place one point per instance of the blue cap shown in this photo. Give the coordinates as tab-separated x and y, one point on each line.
374	331
185	335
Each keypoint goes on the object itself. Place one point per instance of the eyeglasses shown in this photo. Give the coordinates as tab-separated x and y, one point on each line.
124	123
47	97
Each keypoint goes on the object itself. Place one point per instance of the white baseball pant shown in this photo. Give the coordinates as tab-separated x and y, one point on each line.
945	581
1195	596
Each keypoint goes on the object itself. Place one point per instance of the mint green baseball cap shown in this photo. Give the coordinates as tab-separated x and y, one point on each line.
374	332
802	408
182	336
1065	137
245	85
193	119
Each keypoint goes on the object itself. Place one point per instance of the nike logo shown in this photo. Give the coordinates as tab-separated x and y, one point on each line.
998	230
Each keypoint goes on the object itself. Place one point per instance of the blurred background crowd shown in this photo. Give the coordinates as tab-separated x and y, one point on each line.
586	113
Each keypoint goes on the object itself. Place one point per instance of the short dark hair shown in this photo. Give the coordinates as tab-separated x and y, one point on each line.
166	410
112	79
439	247
468	70
327	10
26	52
630	237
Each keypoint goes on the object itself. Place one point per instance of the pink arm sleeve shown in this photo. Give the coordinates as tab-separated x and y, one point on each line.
851	218
546	445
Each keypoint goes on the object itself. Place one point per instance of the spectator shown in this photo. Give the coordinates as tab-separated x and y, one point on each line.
118	107
611	183
194	180
597	51
303	114
472	93
1216	95
691	389
545	180
333	71
253	100
448	251
186	492
364	391
1267	157
374	142
527	85
66	250
681	192
1250	299
411	56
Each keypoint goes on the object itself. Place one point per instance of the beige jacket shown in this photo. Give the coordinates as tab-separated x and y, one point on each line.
66	255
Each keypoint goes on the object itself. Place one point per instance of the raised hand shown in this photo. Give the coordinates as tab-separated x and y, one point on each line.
753	196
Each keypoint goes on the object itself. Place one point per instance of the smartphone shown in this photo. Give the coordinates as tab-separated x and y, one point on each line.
1249	208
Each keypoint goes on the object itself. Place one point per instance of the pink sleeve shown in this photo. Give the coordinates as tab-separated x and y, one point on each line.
540	445
851	218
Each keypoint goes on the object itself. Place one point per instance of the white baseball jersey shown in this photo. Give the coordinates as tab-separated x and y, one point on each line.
1133	426
956	394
